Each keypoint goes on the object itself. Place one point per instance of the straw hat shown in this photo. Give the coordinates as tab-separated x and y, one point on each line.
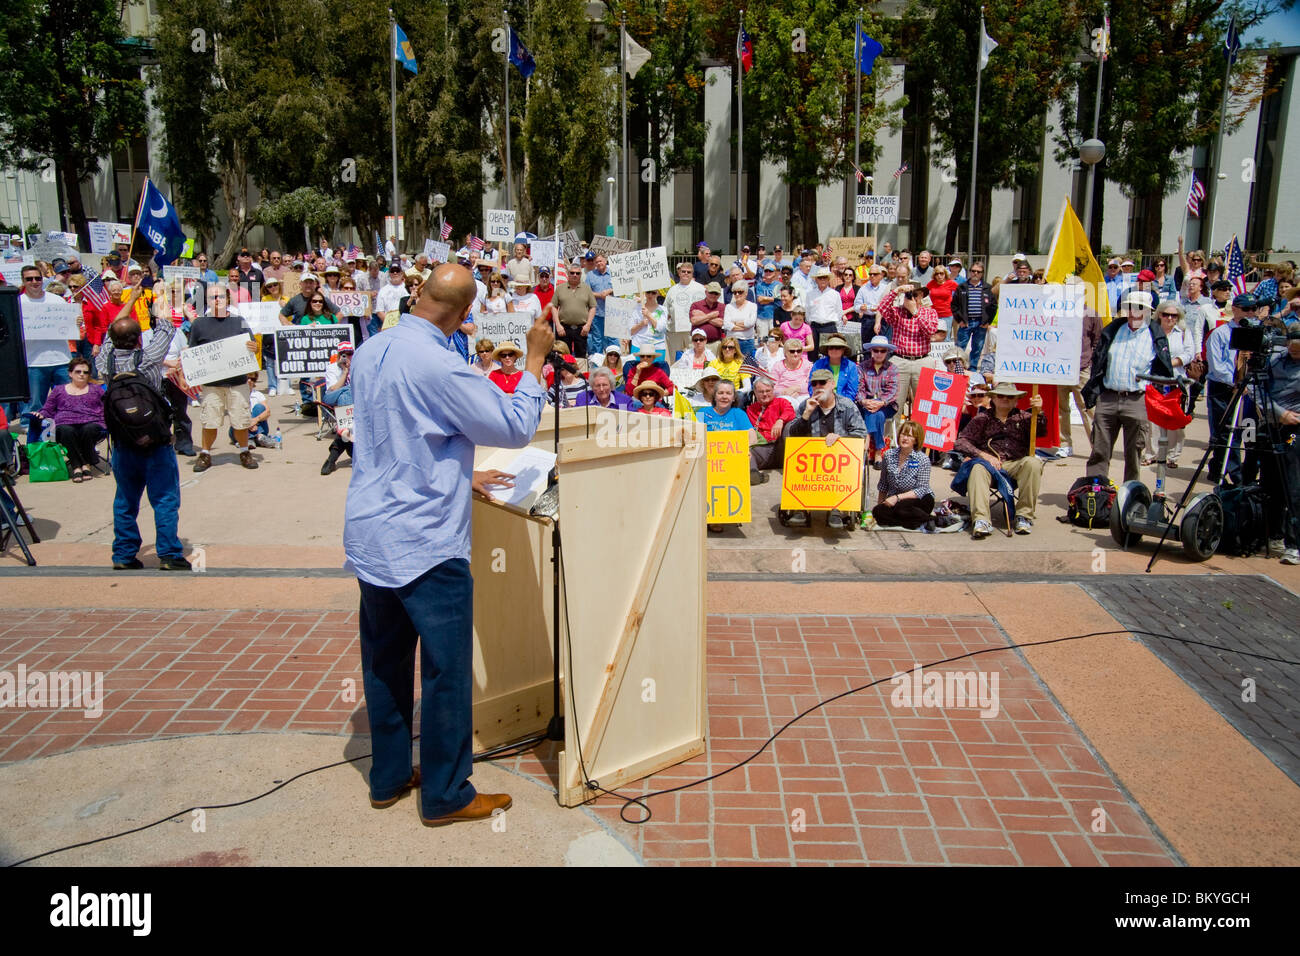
507	348
652	386
1006	389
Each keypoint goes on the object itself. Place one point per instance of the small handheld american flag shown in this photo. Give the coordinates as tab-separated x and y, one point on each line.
476	243
446	231
862	178
750	367
351	254
93	291
902	169
1236	266
1195	193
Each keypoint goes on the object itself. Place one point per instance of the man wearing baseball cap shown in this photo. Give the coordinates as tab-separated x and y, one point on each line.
1221	372
1130	346
824	414
997	444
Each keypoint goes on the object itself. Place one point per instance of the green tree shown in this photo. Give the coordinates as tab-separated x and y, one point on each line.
72	92
1162	90
306	209
799	103
1026	72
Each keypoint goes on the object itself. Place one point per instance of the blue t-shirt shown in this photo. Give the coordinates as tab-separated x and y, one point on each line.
766	289
599	283
734	421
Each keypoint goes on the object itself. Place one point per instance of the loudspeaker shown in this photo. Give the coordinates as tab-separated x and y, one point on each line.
13	350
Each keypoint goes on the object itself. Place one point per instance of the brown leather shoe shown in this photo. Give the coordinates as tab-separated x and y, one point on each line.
247	460
203	462
482	806
412	784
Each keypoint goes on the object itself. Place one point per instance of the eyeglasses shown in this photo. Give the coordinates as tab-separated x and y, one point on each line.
317	301
1169	315
31	278
81	371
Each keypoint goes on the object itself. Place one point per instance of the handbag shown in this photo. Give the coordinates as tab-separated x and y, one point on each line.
47	460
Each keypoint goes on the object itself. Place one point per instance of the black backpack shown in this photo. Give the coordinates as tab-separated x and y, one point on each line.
1090	502
1245	530
136	415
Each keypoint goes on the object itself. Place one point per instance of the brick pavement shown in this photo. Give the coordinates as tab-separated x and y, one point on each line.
875	783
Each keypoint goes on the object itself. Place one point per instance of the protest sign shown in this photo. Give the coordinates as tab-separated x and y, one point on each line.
183	273
568	240
428	246
351	303
876	209
685	377
543	255
502	327
13	273
679	300
818	477
500	225
437	251
727	473
104	236
633	272
291	284
50	318
214	361
851	247
620	316
939	398
344	417
609	245
303	351
53	245
263	318
1039	331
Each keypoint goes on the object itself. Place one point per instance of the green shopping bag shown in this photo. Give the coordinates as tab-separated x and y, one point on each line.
47	460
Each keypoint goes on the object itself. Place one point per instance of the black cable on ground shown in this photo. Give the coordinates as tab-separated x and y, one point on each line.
517	748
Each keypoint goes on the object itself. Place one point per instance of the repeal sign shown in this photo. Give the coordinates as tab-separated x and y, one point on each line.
818	478
939	399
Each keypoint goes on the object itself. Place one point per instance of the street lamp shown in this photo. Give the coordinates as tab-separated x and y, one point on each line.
439	202
1091	152
18	197
610	230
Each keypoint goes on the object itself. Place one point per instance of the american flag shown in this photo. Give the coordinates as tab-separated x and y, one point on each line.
446	231
350	255
93	291
1194	196
476	243
857	172
561	271
379	244
750	367
902	169
1236	266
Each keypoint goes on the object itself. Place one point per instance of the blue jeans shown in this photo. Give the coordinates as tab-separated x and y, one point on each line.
40	380
374	325
596	341
437	608
1218	395
975	335
338	396
875	422
268	362
157	473
263	428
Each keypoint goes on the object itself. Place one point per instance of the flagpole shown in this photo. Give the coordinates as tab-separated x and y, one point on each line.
857	115
392	22
510	183
740	136
135	224
1207	226
975	139
1187	202
623	185
1096	123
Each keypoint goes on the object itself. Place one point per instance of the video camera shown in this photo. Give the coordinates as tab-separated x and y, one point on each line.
1259	340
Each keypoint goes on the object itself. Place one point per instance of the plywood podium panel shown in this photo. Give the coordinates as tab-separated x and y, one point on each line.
632	524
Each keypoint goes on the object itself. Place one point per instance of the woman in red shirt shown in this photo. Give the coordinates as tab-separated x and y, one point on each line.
507	376
646	370
940	290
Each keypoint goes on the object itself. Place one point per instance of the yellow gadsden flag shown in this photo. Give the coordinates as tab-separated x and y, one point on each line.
1072	256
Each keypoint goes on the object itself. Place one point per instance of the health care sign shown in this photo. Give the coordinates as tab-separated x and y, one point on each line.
1040	333
818	477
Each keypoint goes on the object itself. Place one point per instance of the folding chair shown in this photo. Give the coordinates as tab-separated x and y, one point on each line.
11	509
326	422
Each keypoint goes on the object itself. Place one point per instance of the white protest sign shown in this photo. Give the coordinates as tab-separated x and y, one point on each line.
500	225
104	236
54	245
609	245
428	246
568	239
13	273
344	416
877	209
1040	330
303	351
437	251
679	300
351	303
633	272
214	361
50	318
184	273
620	316
543	255
502	327
262	317
685	377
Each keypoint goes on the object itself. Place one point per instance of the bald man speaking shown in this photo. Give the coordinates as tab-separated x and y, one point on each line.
420	410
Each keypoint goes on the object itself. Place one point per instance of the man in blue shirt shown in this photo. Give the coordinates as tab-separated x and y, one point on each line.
1221	370
602	287
420	411
765	295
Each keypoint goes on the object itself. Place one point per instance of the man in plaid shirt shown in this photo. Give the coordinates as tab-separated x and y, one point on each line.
913	323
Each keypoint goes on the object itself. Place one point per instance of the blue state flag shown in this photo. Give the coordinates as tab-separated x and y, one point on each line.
868	50
520	58
160	225
403	51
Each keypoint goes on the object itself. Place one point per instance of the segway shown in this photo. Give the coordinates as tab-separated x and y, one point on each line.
1138	511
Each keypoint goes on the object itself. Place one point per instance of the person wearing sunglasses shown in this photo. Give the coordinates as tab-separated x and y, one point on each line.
77	411
47	359
877	393
484	364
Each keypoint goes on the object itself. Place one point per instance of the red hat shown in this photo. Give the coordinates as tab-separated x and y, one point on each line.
1165	409
1146	275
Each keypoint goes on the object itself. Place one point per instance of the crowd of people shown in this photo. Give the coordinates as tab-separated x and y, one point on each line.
777	345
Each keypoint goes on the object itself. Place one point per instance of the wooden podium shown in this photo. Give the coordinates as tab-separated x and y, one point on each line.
632	525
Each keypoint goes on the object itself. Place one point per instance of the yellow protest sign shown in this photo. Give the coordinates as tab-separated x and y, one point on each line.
818	478
727	473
